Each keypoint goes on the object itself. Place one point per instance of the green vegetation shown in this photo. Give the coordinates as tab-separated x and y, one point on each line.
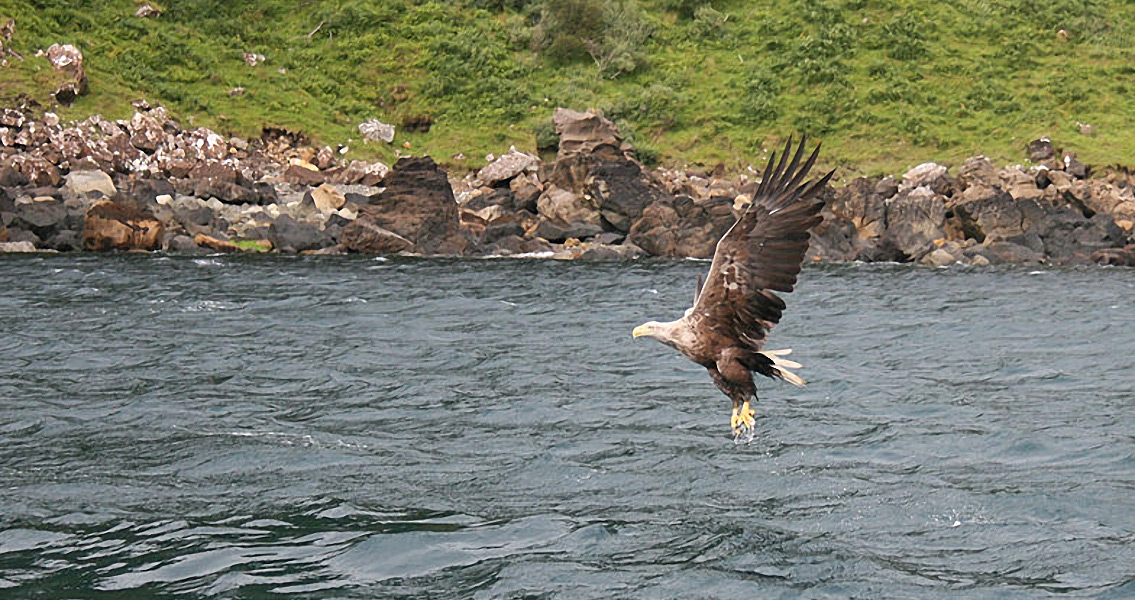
884	83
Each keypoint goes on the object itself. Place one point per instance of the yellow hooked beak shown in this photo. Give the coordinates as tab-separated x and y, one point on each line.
640	331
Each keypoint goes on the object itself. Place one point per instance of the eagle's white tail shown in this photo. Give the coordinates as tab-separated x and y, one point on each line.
781	366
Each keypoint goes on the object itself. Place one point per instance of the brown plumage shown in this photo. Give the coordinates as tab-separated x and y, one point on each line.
733	311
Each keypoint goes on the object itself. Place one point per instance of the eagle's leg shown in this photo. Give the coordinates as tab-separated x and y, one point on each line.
743	418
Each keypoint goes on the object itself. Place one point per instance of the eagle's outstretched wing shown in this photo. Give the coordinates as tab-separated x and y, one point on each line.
762	252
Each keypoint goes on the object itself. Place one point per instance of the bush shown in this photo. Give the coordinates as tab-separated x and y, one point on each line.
565	27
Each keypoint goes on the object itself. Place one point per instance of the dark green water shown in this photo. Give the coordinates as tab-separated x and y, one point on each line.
274	427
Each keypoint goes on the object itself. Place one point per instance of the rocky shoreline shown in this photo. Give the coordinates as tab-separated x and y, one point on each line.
147	184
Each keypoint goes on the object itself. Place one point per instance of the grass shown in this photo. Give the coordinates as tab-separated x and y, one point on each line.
886	84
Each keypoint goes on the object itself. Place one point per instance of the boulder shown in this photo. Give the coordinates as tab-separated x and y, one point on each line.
376	130
110	225
506	167
215	244
860	204
925	174
565	207
80	184
915	219
6	247
44	217
68	60
290	235
10	177
300	175
997	216
1008	253
327	199
1121	257
1071	238
1041	150
418	204
677	226
586	133
367	237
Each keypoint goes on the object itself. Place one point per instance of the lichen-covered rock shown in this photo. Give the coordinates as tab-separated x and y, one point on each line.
915	218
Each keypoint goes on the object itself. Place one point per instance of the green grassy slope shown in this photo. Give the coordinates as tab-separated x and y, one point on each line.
885	84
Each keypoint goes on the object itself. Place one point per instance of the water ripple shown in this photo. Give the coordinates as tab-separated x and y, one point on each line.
343	427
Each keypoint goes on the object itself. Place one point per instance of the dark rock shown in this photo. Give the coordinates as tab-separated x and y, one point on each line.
1120	257
1041	150
219	171
418	205
143	193
992	215
367	237
677	226
1008	253
184	244
836	240
265	193
500	229
547	230
196	219
227	192
44	219
302	176
1074	167
10	177
291	236
621	190
65	240
887	187
1070	238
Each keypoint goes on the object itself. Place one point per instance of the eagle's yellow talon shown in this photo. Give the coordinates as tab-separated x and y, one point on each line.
742	417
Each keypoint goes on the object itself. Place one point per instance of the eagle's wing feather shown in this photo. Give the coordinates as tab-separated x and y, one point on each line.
761	253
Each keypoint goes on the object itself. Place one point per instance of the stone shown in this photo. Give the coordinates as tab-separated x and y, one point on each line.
860	203
291	235
1074	167
183	244
1041	150
376	130
215	244
915	218
44	218
1120	257
586	133
506	167
1001	252
113	226
924	174
147	11
367	237
298	174
566	207
977	170
327	199
1070	238
677	226
7	247
10	177
82	183
67	59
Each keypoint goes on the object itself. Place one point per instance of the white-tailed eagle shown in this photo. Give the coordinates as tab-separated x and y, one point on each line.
734	310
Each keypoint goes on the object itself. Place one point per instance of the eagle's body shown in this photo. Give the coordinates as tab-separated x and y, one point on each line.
733	311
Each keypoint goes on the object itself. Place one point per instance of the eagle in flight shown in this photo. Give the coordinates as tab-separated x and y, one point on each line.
736	307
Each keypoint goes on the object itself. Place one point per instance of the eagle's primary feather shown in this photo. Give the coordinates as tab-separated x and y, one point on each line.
736	306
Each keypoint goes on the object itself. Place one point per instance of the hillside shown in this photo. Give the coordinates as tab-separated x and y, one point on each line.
884	83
